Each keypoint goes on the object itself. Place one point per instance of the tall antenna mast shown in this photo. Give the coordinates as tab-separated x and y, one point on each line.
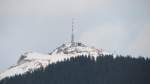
72	36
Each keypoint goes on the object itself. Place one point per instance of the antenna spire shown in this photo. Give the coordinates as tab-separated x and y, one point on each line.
72	36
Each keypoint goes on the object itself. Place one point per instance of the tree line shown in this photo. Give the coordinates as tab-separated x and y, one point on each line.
105	69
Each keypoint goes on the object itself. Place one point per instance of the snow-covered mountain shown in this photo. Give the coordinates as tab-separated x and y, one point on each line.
30	61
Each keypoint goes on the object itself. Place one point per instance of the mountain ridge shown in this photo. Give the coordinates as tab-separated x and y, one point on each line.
30	61
106	69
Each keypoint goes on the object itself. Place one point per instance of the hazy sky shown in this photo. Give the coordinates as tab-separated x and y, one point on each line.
118	26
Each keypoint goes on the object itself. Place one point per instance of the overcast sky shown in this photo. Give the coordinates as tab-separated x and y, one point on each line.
118	26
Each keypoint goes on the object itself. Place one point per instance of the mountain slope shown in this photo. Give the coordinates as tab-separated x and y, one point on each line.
31	61
86	70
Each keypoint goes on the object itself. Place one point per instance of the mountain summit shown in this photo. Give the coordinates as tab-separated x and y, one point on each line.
77	48
30	61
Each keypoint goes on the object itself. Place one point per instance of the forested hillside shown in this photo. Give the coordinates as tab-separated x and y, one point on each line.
88	70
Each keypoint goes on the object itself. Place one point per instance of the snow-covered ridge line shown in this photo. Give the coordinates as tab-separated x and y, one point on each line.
30	64
31	61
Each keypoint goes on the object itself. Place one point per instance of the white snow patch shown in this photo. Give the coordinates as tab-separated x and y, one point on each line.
31	61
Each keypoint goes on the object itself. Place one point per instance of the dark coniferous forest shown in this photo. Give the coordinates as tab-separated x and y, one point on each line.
87	70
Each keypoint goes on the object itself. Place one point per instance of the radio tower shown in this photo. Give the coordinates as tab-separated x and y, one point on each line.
72	36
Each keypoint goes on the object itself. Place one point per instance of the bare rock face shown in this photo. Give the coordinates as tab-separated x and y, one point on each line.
23	57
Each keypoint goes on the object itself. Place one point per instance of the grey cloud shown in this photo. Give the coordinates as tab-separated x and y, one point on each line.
142	42
48	7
